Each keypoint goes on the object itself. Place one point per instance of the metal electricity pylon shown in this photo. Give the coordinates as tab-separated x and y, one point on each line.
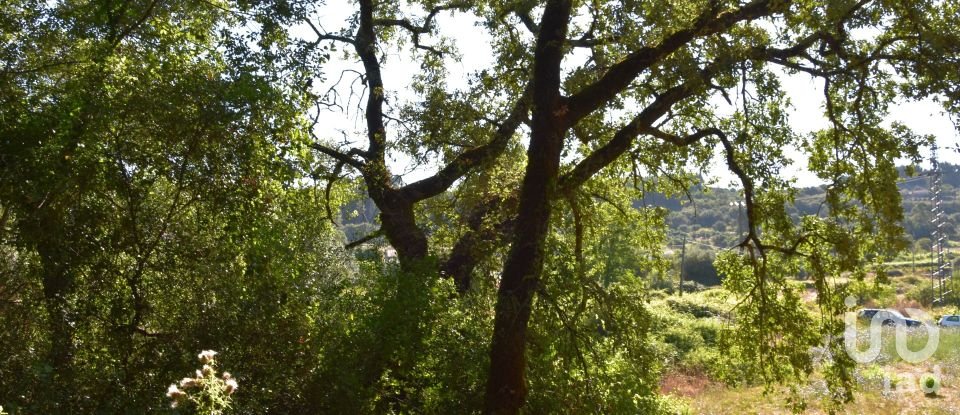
943	273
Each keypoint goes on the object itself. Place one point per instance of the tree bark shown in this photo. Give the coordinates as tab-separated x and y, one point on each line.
396	203
399	225
478	241
506	383
396	211
57	285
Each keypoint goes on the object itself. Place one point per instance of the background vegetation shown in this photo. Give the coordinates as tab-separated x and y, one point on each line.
167	186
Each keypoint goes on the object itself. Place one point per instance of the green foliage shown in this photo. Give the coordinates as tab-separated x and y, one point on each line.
384	358
699	306
148	208
874	293
589	349
922	293
691	332
698	267
774	333
160	191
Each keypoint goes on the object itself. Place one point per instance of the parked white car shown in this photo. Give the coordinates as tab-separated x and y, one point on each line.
949	320
888	317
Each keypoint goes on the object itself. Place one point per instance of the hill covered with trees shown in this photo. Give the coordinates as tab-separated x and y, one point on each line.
709	220
713	219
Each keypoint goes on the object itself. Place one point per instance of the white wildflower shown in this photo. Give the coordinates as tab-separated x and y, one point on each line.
188	383
173	392
231	386
206	356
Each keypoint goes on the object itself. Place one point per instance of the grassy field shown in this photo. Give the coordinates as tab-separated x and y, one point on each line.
714	399
888	385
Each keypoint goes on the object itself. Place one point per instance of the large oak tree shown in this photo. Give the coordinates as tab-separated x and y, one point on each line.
608	82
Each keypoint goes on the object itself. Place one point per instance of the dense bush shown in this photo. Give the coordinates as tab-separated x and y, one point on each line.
689	330
698	267
871	293
921	293
697	305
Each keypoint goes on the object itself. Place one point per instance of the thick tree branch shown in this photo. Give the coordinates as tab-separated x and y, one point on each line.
578	230
328	188
643	123
426	27
681	141
620	75
800	47
346	158
506	385
585	41
748	193
477	242
469	159
327	36
524	16
365	45
374	235
623	138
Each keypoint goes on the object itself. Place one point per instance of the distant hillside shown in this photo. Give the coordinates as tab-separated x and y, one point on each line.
358	218
712	218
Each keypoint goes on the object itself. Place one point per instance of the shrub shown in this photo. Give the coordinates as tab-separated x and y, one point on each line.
873	294
693	287
698	267
657	294
922	294
871	376
659	283
894	273
683	338
709	331
911	279
704	359
695	306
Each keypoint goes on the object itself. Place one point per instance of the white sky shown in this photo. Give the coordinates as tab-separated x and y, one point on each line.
472	43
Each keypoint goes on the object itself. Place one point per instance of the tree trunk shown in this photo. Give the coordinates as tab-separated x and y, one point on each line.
506	384
478	242
399	225
57	284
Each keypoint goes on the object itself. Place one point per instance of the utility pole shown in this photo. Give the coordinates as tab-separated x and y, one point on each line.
740	226
913	259
683	255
